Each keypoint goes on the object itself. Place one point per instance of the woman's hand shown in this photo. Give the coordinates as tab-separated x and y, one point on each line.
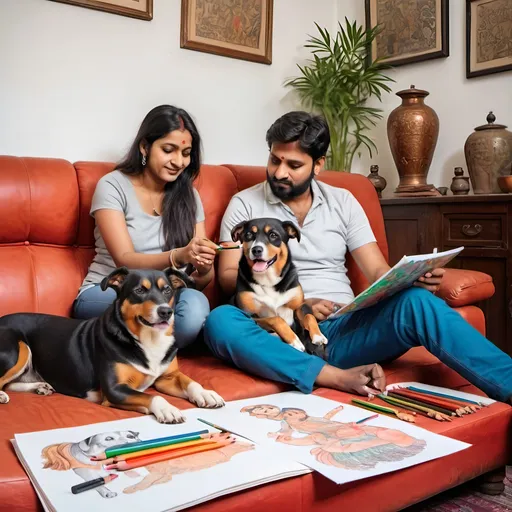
431	280
200	253
322	308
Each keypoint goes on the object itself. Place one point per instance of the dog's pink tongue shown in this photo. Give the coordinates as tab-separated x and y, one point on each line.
259	266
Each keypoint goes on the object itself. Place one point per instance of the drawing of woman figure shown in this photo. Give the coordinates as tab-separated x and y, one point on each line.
344	445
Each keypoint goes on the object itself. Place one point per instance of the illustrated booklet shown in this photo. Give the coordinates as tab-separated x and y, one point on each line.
399	277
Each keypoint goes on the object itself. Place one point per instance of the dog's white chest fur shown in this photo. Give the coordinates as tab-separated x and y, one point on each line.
275	302
155	344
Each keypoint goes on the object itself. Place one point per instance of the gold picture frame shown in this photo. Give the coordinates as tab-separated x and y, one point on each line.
411	30
488	37
140	9
218	27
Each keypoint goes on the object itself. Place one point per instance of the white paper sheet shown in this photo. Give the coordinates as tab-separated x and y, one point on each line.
247	465
335	446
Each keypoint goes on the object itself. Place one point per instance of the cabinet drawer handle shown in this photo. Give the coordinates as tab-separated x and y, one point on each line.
472	231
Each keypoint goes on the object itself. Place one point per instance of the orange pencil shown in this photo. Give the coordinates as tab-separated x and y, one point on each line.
138	462
160	449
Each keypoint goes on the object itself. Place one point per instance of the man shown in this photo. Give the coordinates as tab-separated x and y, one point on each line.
332	222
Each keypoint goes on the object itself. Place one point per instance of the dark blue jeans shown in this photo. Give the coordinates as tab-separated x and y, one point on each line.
380	333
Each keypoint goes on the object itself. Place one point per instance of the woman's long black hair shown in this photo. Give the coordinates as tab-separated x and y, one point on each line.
178	205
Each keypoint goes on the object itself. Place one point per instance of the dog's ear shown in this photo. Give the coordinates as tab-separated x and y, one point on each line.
85	444
115	279
236	232
292	230
179	279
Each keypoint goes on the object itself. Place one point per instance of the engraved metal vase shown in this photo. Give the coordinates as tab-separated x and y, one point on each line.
488	152
413	128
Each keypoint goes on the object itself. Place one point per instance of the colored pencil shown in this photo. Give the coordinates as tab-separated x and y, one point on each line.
442	395
432	401
222	429
168	448
138	462
412	407
92	484
367	419
384	410
150	443
464	405
400	396
421	407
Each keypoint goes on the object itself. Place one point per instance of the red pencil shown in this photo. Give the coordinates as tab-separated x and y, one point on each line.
431	400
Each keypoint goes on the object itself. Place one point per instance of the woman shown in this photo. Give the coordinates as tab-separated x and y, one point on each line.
148	215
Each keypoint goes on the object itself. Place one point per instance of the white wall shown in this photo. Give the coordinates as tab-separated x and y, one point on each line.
76	83
461	104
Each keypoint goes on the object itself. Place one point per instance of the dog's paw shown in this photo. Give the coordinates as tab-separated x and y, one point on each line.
4	397
204	397
107	493
297	344
165	412
319	339
44	389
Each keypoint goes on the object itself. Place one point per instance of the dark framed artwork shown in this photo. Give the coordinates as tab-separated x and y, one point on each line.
241	29
488	37
141	9
411	30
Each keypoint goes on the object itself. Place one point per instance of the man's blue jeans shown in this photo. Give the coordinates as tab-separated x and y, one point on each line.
377	334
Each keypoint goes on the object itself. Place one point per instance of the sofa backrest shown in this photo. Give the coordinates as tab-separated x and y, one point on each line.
46	232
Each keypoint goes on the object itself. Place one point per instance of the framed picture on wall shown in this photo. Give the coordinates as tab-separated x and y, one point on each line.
410	30
488	37
142	9
241	29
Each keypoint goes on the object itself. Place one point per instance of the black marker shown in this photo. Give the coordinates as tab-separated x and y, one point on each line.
92	484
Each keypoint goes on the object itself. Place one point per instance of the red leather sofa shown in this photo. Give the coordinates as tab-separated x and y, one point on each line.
46	244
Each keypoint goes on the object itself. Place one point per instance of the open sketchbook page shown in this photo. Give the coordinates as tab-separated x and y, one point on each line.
55	460
401	276
322	434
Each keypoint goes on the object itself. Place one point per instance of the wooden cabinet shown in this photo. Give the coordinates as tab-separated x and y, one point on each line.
481	223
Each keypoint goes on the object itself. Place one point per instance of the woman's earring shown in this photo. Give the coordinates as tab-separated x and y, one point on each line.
143	160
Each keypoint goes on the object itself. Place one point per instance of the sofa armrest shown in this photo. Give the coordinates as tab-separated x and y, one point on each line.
463	287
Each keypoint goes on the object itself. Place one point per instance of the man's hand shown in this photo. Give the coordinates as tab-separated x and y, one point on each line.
431	280
322	308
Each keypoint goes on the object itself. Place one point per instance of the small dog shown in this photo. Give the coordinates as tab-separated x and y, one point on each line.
268	285
111	359
77	456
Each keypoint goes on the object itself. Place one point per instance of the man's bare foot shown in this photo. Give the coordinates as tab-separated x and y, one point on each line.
363	380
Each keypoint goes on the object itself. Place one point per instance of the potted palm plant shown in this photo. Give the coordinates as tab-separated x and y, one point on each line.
337	82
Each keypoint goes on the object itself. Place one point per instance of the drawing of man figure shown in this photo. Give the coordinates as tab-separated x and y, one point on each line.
343	445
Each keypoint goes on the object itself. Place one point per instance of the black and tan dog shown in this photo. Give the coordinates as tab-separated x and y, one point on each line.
111	359
268	286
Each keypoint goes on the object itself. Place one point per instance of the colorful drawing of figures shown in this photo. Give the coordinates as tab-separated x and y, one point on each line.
342	445
162	472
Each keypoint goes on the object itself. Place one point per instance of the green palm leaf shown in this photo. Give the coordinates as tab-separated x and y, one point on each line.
337	82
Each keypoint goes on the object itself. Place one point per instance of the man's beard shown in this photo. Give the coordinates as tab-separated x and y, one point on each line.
292	191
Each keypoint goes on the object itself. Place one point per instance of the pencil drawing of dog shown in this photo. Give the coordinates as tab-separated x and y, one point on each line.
77	456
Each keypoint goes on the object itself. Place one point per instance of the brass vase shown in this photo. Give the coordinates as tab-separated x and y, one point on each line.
488	152
413	128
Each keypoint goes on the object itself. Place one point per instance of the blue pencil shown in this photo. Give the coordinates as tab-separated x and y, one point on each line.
442	395
367	418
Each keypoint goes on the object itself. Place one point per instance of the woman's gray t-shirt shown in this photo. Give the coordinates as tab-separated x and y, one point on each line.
115	191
